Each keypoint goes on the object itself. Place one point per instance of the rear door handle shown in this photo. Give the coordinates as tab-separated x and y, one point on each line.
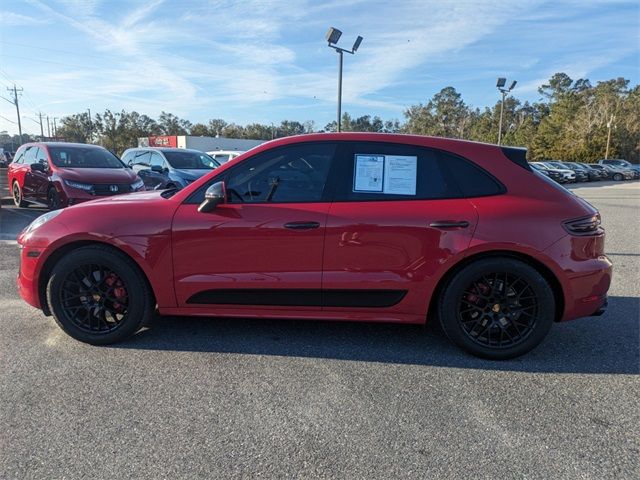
449	224
301	225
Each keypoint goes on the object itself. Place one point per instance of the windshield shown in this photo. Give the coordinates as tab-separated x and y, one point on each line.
83	157
186	160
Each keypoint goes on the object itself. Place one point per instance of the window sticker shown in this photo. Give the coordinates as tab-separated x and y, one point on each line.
368	173
389	174
400	175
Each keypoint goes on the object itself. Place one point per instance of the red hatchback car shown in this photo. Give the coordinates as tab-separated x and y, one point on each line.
61	174
350	226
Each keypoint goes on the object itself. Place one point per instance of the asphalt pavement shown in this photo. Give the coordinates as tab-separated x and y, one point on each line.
208	398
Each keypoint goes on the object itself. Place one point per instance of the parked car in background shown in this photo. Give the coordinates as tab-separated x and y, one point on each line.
365	227
594	173
580	175
623	165
589	175
4	160
162	168
549	172
618	162
223	156
57	175
567	174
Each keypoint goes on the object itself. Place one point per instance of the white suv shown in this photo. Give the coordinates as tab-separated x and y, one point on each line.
223	156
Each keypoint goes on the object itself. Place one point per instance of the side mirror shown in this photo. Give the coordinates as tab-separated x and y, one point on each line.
157	168
215	195
38	167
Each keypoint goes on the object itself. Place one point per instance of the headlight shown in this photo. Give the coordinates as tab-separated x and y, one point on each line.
41	220
81	186
137	185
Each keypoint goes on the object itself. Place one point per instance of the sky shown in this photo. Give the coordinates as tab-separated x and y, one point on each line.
267	60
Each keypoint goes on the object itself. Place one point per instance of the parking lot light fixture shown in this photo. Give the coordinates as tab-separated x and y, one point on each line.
500	84
332	37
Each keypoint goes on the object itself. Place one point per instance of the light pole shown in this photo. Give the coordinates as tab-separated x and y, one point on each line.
609	125
333	35
501	83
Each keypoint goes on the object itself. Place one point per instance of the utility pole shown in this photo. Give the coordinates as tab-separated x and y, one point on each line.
41	128
48	128
609	125
55	128
15	91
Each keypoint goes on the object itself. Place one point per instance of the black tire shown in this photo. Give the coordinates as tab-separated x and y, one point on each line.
53	199
16	193
86	299
618	177
471	308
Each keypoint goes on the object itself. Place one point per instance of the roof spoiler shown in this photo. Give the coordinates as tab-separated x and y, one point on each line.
517	155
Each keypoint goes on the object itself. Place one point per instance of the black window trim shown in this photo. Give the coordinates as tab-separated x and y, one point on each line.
329	192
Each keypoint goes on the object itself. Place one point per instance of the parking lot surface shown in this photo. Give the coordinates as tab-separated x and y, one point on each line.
204	398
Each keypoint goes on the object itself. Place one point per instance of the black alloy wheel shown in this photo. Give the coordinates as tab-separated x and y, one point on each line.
497	308
94	298
98	295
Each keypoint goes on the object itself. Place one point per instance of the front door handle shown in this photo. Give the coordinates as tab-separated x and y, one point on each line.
301	225
449	224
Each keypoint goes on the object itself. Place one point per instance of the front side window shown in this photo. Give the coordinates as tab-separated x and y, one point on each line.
83	157
30	155
188	160
295	173
157	160
41	156
141	158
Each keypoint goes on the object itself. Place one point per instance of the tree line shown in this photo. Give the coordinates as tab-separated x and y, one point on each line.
571	121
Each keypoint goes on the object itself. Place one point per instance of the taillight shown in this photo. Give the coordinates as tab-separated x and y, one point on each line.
589	225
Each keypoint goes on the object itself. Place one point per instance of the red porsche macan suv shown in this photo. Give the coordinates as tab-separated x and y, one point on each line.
61	174
350	226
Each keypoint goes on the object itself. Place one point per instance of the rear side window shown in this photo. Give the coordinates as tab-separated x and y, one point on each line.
472	180
385	171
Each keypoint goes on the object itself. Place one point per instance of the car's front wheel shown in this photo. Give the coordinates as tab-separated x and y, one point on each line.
618	177
497	308
18	198
53	199
99	296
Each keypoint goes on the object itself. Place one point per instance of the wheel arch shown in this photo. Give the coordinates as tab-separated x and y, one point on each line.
54	258
544	270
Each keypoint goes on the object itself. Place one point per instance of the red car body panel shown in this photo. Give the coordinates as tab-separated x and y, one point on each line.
357	245
35	184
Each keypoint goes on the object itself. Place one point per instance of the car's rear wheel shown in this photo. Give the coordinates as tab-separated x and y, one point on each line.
53	199
618	177
18	198
497	308
99	296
